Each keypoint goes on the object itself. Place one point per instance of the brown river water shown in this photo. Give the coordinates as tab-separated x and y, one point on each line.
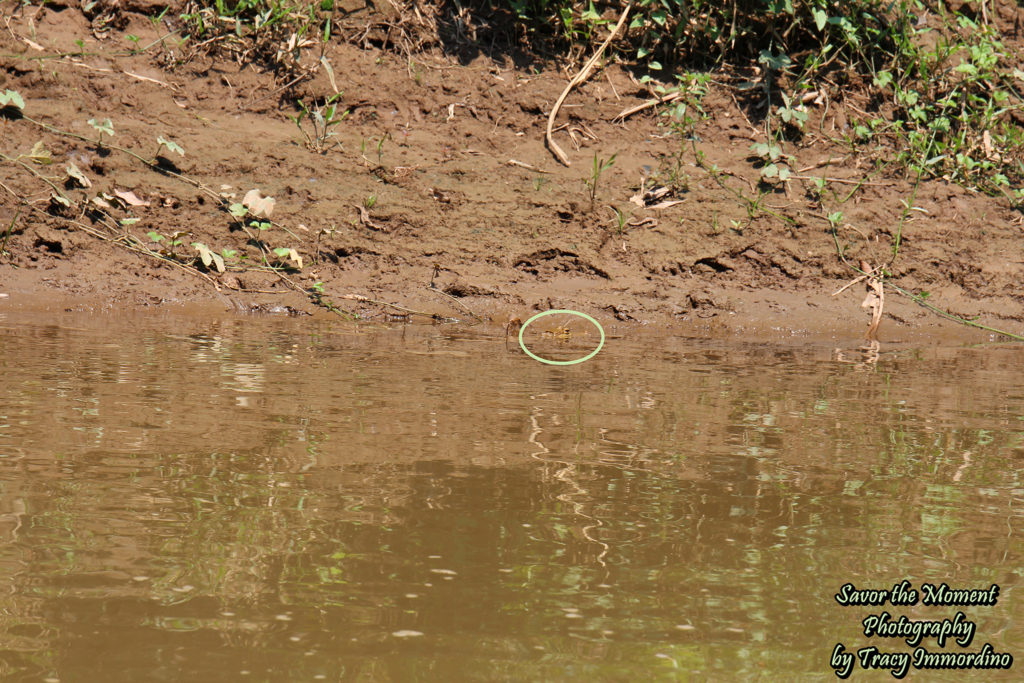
247	498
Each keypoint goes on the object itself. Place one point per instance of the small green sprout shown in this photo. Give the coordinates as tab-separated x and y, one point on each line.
171	146
102	127
599	167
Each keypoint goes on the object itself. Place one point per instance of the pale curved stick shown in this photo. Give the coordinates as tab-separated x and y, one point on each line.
579	78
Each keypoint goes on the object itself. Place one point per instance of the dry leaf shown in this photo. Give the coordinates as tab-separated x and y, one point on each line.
665	205
130	198
644	197
259	206
990	151
330	74
875	300
79	177
364	218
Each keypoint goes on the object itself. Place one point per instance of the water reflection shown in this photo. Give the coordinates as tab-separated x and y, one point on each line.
283	500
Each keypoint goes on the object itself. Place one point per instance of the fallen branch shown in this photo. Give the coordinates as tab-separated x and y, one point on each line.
464	307
366	299
625	113
579	78
523	164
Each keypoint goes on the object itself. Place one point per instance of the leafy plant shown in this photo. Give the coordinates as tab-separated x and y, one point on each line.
170	145
796	116
776	165
598	168
380	147
322	119
621	220
170	242
105	127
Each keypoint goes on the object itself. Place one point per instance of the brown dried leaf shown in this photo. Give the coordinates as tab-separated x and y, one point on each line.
665	205
77	175
130	198
258	205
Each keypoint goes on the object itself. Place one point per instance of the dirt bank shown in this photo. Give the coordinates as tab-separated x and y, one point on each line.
437	193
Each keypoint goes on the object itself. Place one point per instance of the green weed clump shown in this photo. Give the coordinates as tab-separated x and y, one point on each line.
935	88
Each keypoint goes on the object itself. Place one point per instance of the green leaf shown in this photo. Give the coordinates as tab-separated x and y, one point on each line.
238	210
656	66
966	68
12	98
291	254
155	236
820	17
129	221
774	61
170	145
770	171
105	126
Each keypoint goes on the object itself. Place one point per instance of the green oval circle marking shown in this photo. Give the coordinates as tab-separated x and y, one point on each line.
561	362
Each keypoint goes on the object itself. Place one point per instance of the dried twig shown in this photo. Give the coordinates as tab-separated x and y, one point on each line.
366	299
522	164
647	104
580	77
464	307
875	300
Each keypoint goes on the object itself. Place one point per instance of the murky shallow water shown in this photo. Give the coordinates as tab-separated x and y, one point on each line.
251	499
